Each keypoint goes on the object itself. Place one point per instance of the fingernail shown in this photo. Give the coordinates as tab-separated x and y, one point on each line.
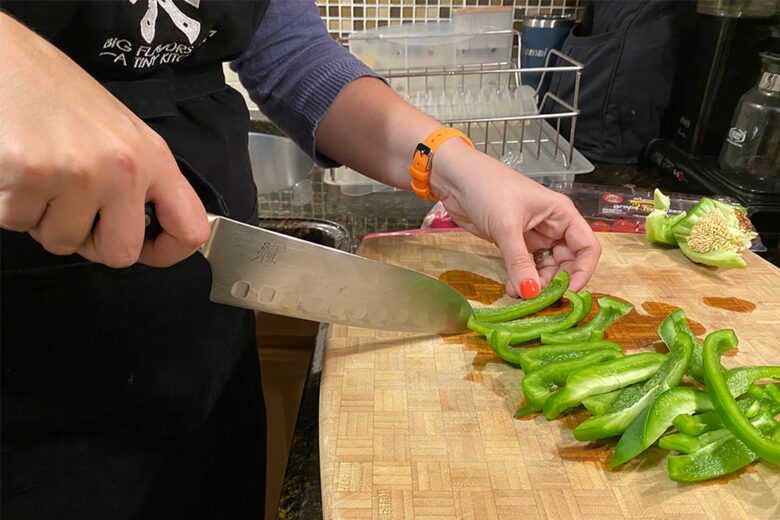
529	288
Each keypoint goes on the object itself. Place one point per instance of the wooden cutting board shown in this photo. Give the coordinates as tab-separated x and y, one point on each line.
422	426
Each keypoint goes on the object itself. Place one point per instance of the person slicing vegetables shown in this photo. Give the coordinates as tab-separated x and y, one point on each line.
125	392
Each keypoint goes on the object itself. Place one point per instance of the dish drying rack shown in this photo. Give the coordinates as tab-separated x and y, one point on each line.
503	118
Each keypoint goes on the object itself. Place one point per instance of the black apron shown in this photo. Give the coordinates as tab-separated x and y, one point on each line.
125	392
630	51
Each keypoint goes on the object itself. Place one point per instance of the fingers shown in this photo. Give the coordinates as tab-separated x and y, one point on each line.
118	235
20	213
22	201
65	224
523	279
575	247
586	250
185	226
578	256
545	265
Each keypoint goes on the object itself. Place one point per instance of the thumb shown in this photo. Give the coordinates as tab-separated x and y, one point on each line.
183	219
523	279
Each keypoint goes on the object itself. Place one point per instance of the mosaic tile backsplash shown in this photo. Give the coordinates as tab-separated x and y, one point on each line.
343	17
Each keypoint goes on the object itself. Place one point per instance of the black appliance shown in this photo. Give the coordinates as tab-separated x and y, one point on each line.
721	62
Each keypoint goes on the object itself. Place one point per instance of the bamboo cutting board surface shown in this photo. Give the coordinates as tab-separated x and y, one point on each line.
422	426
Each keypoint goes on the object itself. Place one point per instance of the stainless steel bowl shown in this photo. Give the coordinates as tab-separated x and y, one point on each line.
277	162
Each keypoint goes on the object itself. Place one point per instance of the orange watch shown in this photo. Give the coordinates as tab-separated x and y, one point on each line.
423	160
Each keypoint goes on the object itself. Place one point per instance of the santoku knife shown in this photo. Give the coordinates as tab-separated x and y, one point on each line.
255	268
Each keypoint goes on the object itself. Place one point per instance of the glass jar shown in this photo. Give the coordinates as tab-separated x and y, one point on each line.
750	157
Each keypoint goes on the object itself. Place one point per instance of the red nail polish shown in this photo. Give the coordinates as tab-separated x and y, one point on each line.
529	288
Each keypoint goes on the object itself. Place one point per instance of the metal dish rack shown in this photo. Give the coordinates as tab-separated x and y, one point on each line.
520	130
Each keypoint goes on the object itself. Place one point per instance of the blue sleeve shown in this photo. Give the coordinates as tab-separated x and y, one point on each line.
294	70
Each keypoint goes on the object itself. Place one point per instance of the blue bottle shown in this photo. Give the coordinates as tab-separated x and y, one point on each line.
540	34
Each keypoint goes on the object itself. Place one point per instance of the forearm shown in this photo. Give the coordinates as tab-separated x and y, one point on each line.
294	71
374	131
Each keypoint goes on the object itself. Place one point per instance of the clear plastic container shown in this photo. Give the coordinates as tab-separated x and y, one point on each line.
750	157
353	183
421	45
487	48
738	8
491	100
483	18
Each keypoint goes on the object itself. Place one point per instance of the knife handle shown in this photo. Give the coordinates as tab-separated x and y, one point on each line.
153	227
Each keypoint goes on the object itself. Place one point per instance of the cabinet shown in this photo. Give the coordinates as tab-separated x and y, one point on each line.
284	347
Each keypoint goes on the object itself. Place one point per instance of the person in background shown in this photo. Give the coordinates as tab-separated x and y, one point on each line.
125	392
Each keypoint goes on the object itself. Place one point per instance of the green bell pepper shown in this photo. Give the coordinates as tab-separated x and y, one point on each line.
739	379
714	234
630	404
708	421
677	323
530	359
768	396
602	378
658	224
720	452
610	310
726	407
599	404
502	335
686	444
537	384
549	295
649	425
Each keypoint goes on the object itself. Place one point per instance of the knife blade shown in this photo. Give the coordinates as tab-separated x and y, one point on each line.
259	269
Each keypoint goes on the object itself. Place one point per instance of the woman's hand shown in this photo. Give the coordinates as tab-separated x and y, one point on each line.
521	216
371	129
76	166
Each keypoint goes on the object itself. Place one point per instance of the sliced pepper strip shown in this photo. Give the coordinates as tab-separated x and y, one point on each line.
549	295
649	425
630	404
726	407
708	421
601	378
669	405
686	443
677	323
524	323
610	310
530	359
773	392
683	443
739	379
724	453
599	404
537	384
502	335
